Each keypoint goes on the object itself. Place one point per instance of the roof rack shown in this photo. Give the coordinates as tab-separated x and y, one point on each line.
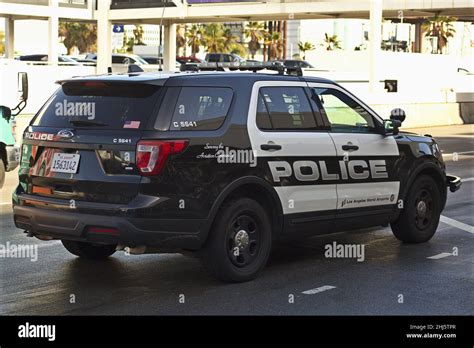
245	66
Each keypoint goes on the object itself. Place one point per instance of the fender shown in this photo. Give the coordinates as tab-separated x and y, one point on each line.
432	164
235	185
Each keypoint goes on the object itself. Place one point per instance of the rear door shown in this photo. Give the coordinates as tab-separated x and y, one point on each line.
292	150
81	145
366	157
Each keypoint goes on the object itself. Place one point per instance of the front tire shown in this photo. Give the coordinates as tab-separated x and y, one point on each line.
89	250
419	219
240	241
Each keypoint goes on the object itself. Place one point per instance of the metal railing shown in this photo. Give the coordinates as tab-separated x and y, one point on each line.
65	3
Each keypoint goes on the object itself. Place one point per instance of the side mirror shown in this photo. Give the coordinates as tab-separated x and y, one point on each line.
392	127
6	113
398	114
23	85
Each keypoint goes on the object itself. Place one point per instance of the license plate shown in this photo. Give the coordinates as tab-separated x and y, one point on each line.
65	163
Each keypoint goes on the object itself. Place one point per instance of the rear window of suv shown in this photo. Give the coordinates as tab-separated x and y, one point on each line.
194	108
103	105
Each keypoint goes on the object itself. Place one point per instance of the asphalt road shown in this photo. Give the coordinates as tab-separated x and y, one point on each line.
393	279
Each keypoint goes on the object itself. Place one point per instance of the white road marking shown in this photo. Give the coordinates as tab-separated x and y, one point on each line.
457	224
50	244
439	256
318	290
458	153
467	179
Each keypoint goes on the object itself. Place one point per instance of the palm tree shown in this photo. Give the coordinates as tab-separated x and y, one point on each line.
214	38
80	35
138	34
331	42
2	45
305	46
229	39
195	39
440	27
256	33
180	39
276	44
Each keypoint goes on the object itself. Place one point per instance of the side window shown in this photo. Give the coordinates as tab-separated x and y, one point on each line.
263	118
344	113
117	60
201	108
213	58
288	108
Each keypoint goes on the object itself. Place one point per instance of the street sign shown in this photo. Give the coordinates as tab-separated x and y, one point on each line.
118	29
118	34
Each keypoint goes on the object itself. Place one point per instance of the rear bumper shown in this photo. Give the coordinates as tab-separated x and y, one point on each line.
163	234
454	182
13	157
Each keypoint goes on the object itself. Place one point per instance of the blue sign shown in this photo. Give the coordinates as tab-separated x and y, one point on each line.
118	29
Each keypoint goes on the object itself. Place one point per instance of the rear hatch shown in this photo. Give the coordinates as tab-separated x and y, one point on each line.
81	145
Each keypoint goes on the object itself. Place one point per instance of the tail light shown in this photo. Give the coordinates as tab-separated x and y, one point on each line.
151	155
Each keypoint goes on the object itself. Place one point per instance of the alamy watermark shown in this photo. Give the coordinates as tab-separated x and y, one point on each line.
75	109
226	155
20	251
345	251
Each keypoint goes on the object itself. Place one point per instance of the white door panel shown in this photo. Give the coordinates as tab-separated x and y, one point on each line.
304	144
369	151
307	198
369	144
367	194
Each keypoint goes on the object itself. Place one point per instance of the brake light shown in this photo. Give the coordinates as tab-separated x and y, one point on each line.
151	155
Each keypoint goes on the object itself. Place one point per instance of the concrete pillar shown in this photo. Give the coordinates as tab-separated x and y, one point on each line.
9	38
104	37
375	39
169	51
53	28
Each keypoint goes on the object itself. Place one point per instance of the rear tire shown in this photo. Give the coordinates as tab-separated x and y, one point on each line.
89	250
239	242
2	173
419	219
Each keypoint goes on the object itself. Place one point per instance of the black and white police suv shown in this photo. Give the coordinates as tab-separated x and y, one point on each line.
221	163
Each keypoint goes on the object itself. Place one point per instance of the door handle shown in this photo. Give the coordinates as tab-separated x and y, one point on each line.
350	147
270	147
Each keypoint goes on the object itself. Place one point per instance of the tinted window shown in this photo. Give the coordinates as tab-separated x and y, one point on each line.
118	60
343	112
288	107
213	58
201	108
109	105
263	118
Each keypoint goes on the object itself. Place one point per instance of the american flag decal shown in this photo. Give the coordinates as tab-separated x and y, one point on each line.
132	124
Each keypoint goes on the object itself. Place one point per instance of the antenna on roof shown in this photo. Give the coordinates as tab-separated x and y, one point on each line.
160	59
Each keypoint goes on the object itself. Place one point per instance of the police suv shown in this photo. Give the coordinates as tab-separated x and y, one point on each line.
221	163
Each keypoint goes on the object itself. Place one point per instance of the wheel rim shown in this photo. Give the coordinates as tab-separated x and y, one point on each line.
423	209
243	240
